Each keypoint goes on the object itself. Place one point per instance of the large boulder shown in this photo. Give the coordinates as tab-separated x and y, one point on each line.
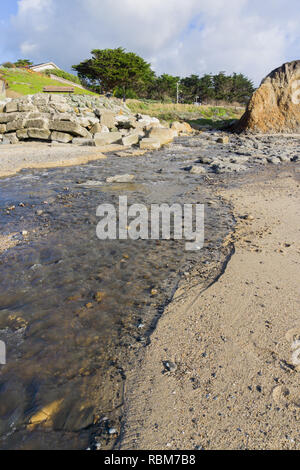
68	127
275	105
163	135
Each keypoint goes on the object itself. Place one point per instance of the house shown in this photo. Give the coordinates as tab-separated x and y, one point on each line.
43	67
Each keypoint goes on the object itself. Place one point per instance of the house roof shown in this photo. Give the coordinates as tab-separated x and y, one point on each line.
45	63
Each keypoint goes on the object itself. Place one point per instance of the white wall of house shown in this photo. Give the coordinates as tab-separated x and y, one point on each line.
43	67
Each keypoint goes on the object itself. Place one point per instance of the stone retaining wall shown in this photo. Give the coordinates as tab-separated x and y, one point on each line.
80	120
2	90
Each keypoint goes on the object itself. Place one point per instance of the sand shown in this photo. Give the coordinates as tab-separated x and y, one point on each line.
236	385
7	241
14	158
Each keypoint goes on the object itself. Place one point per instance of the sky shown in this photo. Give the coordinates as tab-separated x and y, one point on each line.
177	37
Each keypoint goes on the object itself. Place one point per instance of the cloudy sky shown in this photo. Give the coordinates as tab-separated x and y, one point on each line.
177	37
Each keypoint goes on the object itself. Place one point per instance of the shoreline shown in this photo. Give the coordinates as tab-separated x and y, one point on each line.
232	383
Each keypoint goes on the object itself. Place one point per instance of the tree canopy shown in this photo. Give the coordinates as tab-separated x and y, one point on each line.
128	75
115	68
23	63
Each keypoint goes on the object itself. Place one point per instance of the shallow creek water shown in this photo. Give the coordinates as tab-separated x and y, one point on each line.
64	348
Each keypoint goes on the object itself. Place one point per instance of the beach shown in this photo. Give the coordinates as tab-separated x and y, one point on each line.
221	371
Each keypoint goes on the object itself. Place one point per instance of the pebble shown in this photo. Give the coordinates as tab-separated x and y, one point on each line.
120	179
112	431
170	366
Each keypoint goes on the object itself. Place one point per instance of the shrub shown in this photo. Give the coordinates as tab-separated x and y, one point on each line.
8	65
65	75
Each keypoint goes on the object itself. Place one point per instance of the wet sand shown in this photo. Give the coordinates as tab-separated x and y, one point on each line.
232	348
7	241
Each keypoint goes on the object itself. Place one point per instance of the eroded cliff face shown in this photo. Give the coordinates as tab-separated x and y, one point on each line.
275	105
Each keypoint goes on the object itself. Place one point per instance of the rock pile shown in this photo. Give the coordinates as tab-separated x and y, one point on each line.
275	106
81	120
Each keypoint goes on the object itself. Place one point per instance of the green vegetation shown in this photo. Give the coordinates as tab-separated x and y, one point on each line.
221	87
128	75
115	69
23	63
27	82
197	116
62	74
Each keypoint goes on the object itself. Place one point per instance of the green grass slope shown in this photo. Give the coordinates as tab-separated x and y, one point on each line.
29	83
215	116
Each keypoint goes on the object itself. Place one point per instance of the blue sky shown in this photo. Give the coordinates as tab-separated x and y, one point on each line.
8	7
194	36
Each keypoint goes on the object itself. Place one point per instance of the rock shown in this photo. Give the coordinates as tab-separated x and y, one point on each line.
163	135
170	366
26	107
61	137
221	167
96	129
41	134
83	142
46	414
22	134
6	117
15	125
107	118
284	158
223	140
99	296
112	431
274	107
274	160
69	118
123	122
83	121
205	160
181	127
107	138
120	179
131	139
10	139
68	127
11	107
149	144
36	124
197	170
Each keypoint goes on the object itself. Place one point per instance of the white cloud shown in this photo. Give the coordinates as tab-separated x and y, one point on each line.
195	36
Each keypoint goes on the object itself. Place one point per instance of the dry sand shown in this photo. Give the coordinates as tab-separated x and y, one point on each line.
236	385
14	158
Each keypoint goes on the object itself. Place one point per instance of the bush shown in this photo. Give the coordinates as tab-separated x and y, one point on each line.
129	94
8	65
65	75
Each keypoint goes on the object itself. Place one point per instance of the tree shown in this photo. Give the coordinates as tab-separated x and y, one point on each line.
113	69
193	87
23	63
242	88
164	88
